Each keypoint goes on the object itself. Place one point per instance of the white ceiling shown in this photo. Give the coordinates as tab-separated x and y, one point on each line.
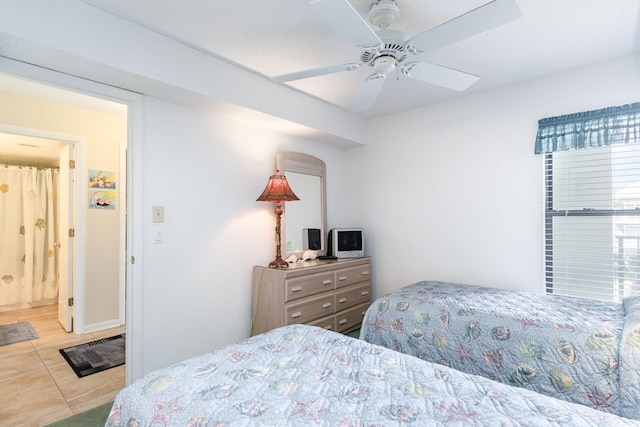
284	36
25	149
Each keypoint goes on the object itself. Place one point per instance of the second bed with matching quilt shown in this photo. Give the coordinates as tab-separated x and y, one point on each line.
574	349
302	375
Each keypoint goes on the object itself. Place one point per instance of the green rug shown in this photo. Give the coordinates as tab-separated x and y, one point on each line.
95	417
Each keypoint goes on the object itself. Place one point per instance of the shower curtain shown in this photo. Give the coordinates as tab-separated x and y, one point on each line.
28	267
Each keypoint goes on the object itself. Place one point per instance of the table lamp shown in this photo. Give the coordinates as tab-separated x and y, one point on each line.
278	191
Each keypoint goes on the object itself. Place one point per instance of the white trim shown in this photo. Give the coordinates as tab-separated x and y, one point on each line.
122	249
135	238
80	243
135	206
101	326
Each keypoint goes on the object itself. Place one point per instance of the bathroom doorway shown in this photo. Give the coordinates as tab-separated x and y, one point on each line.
37	188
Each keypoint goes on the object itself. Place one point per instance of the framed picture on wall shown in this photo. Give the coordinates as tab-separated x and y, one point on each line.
102	179
102	189
102	199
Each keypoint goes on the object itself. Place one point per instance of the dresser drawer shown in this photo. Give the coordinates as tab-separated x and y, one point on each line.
349	276
310	308
308	285
328	323
351	318
318	292
349	297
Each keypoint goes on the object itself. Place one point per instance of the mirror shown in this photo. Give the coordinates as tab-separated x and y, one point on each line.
306	177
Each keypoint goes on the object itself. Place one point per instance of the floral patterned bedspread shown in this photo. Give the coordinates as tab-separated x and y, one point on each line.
567	348
301	375
630	359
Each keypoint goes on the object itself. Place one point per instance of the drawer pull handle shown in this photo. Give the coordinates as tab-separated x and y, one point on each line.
365	272
328	327
296	289
343	321
326	305
363	293
341	278
296	314
326	282
341	300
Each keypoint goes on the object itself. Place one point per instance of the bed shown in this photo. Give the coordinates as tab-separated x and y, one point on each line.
302	375
574	349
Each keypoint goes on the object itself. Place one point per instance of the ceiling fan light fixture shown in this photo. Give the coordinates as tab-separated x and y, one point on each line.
383	12
384	64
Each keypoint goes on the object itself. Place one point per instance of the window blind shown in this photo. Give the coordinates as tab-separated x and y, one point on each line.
592	222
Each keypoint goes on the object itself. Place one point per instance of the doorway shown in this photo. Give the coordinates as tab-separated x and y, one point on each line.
134	211
95	128
35	159
96	300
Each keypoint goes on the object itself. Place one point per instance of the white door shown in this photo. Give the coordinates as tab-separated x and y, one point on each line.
66	210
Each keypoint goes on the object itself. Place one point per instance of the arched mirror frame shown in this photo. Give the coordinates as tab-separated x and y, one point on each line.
288	162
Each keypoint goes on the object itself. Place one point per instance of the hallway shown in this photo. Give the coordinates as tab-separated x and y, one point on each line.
37	386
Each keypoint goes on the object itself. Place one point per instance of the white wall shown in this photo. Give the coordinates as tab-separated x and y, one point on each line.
453	192
207	173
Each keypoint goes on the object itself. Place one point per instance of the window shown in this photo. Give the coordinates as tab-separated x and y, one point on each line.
592	222
592	203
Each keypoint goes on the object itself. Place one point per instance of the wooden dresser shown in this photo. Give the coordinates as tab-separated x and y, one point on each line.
331	294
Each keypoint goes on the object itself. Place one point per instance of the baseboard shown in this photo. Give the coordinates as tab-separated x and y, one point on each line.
23	305
101	326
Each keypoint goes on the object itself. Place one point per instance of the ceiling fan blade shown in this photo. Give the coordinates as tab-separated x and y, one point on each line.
476	21
369	93
344	18
299	75
442	76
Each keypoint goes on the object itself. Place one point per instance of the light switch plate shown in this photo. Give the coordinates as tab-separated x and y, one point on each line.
158	213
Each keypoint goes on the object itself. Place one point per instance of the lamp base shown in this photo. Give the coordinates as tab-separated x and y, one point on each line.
279	263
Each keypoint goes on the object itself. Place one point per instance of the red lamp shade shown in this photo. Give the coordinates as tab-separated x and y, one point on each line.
278	190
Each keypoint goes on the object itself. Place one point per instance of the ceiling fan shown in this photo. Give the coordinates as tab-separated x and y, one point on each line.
388	49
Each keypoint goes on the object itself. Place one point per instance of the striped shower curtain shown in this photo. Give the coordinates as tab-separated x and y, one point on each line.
28	273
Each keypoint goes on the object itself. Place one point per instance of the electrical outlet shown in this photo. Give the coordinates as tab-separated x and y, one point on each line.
158	237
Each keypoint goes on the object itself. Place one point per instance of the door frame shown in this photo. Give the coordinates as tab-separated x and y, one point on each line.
122	250
75	287
135	205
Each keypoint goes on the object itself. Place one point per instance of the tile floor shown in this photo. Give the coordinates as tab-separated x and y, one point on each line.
37	386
